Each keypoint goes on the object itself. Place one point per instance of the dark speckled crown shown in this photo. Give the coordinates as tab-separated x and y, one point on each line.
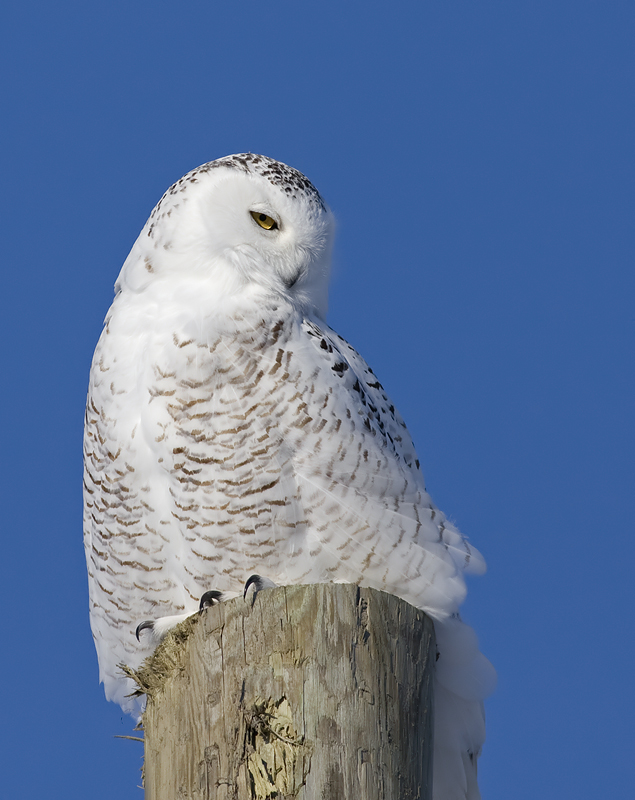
290	180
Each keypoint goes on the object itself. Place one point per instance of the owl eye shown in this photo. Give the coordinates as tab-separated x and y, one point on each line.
266	222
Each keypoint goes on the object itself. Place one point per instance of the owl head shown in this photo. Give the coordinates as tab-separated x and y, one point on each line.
242	226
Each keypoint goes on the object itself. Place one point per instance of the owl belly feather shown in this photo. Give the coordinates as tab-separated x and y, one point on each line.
225	430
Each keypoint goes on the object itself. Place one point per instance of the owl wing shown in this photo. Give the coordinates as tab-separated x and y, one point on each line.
370	518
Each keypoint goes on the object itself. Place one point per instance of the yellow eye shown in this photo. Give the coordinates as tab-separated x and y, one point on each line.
268	223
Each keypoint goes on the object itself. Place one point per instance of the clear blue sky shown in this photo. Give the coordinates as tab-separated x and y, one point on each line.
479	159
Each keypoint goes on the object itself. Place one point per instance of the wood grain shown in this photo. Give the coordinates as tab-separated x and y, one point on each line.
308	692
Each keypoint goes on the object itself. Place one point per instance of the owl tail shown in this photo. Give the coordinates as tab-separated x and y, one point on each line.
464	677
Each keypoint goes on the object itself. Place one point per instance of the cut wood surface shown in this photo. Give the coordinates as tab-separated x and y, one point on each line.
319	692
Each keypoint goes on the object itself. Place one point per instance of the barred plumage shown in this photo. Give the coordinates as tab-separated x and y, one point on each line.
229	430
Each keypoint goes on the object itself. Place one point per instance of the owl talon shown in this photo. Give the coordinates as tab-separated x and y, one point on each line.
158	628
149	624
210	599
259	583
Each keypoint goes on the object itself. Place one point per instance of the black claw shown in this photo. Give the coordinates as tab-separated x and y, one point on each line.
254	580
209	599
259	583
149	623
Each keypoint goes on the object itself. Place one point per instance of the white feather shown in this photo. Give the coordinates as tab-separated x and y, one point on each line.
230	431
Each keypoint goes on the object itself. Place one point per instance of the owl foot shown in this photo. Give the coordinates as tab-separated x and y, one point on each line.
210	599
258	583
157	628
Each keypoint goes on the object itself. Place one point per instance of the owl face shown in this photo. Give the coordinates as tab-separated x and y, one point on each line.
237	226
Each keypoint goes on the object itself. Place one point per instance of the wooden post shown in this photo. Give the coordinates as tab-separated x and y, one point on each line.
316	692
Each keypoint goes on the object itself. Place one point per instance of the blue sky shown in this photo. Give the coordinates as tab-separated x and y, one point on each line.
479	160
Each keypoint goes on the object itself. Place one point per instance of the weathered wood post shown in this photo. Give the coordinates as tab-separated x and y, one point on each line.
308	692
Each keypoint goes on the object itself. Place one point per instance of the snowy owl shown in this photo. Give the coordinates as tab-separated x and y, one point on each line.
230	431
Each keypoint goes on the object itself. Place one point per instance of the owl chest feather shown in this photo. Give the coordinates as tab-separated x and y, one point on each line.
249	441
228	410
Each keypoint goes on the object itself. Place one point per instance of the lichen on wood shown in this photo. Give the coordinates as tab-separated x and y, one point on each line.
274	750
